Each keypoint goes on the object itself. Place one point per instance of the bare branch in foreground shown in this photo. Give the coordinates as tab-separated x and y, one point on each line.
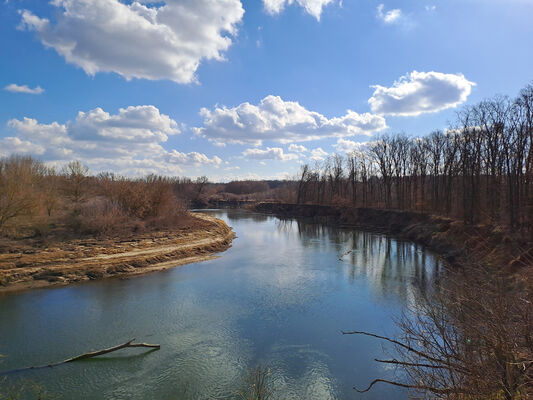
404	385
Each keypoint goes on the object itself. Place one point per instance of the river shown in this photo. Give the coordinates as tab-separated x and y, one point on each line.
278	297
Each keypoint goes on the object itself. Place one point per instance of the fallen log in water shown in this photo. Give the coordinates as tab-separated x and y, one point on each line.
88	355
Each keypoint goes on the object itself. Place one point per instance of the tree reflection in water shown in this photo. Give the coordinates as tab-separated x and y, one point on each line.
394	267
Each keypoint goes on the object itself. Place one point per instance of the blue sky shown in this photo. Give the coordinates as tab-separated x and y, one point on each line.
245	89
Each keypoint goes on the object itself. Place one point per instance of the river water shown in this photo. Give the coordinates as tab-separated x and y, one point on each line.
278	297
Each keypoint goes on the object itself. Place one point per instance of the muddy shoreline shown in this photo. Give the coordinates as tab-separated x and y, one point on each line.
94	258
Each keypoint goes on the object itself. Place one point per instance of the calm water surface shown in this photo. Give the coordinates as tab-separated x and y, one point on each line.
279	297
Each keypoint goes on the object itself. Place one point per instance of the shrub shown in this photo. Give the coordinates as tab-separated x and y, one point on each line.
19	179
99	216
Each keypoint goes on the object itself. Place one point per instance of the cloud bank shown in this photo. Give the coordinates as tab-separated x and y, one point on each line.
14	88
282	121
349	146
318	154
271	153
129	142
419	93
142	39
296	148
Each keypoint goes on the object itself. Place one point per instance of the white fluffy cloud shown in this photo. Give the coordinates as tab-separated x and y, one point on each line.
14	88
312	7
389	17
271	153
140	39
296	148
282	121
129	142
318	154
420	92
349	146
13	145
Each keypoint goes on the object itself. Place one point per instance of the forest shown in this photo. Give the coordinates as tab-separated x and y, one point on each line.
479	170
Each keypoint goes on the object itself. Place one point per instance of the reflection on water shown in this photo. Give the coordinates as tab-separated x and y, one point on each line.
390	266
278	297
249	216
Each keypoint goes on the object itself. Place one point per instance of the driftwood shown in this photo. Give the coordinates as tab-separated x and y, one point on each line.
90	354
344	254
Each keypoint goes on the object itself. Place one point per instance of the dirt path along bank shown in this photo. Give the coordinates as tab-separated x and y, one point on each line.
90	259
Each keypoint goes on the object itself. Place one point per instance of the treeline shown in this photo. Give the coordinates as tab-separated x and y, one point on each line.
250	190
37	199
479	170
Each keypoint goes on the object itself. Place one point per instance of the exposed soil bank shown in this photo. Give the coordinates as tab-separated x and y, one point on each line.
90	259
449	238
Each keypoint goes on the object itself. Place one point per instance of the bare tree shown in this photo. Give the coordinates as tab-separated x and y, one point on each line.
201	183
381	151
302	183
19	178
50	190
454	345
76	180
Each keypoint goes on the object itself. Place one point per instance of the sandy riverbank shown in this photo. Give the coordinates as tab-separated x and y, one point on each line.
96	258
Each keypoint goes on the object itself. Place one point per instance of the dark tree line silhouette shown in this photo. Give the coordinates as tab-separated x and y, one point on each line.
480	169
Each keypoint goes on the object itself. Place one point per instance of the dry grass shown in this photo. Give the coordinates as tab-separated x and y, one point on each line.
23	264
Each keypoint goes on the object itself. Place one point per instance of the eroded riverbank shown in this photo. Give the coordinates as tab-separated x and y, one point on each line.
91	259
451	239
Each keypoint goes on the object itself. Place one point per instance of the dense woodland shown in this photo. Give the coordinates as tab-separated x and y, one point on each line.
479	170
